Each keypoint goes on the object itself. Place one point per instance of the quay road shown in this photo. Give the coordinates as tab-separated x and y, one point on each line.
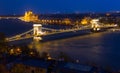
9	17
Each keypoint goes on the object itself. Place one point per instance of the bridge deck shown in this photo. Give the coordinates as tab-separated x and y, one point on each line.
50	32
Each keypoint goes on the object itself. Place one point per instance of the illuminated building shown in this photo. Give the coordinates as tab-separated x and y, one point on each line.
67	21
85	20
29	16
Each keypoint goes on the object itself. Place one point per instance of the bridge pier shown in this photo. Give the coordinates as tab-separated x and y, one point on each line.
95	25
37	31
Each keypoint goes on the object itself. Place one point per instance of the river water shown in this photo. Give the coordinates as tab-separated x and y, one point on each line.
100	48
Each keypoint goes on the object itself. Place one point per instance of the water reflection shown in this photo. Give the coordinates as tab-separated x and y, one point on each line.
99	48
71	45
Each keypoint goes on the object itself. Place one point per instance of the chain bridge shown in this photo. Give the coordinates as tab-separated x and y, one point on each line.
39	31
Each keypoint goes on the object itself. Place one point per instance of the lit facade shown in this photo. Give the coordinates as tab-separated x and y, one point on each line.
29	16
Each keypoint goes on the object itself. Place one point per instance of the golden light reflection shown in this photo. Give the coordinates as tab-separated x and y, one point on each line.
37	45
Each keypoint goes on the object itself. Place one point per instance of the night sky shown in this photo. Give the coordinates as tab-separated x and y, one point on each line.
58	6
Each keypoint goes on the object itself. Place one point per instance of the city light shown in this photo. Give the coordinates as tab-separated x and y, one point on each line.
29	17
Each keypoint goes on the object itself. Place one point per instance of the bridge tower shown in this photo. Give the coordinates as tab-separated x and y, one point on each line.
37	31
95	25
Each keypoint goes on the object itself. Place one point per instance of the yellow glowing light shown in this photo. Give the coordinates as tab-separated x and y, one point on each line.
49	58
31	53
98	29
18	49
11	51
29	16
85	20
67	21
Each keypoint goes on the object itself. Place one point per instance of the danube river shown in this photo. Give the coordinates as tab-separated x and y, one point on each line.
101	48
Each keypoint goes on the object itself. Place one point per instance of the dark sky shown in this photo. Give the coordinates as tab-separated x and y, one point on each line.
53	6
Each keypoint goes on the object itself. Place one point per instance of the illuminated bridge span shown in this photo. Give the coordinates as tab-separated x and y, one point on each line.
39	31
21	36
